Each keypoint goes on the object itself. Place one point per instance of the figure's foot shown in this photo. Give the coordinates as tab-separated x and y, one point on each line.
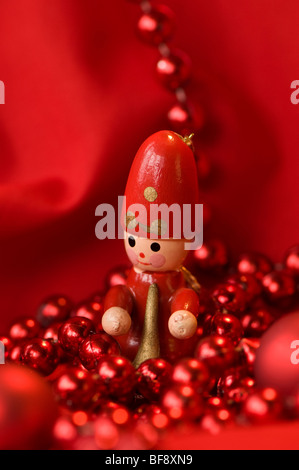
116	321
182	324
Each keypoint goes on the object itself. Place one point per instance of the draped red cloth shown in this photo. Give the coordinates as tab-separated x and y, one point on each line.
81	96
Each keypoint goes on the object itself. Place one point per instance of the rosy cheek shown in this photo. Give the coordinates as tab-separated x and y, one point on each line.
157	261
132	256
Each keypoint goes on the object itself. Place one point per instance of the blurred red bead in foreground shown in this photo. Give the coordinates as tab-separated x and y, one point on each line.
182	402
263	406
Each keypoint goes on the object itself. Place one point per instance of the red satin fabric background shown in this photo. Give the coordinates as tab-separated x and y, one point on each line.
81	97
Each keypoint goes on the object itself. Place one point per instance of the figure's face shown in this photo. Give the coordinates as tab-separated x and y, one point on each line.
155	255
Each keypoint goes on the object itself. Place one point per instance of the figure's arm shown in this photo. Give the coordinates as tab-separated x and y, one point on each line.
184	312
118	307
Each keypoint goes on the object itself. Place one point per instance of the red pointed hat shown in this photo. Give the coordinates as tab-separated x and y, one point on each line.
163	173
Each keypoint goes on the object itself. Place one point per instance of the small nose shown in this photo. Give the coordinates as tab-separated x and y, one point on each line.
142	255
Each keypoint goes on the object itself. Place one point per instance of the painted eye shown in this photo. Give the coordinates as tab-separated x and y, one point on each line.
132	242
155	247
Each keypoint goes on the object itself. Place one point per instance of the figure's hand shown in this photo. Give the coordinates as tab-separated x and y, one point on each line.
116	321
182	324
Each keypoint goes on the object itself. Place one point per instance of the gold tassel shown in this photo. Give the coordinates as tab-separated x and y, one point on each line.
150	345
191	280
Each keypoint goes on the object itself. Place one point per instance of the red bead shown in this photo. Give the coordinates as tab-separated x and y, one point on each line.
247	351
291	260
107	433
15	353
154	415
263	406
230	297
118	413
279	287
156	26
182	402
73	332
115	376
116	277
153	377
54	309
193	373
212	255
41	355
249	283
256	322
74	388
96	346
217	352
91	309
26	328
51	333
184	119
214	421
174	70
226	324
235	387
254	263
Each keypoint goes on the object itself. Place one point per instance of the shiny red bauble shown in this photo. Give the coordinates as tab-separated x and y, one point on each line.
27	409
174	69
277	359
25	328
212	255
184	119
40	355
74	388
291	260
235	386
115	376
254	263
247	349
249	283
118	413
226	324
193	373
217	352
256	322
96	346
230	297
153	376
56	308
279	287
157	25
91	309
263	406
182	402
73	332
116	277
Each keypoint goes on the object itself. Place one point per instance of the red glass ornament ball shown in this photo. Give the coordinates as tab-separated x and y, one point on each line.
230	297
185	119
41	355
154	415
25	328
254	263
235	386
249	283
182	402
118	413
174	70
291	260
226	324
115	376
74	388
116	277
27	409
247	351
157	25
91	309
277	359
153	376
73	332
96	346
212	255
192	372
256	322
54	309
279	286
217	352
262	406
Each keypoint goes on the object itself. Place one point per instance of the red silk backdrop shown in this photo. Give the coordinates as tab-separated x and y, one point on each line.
81	96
